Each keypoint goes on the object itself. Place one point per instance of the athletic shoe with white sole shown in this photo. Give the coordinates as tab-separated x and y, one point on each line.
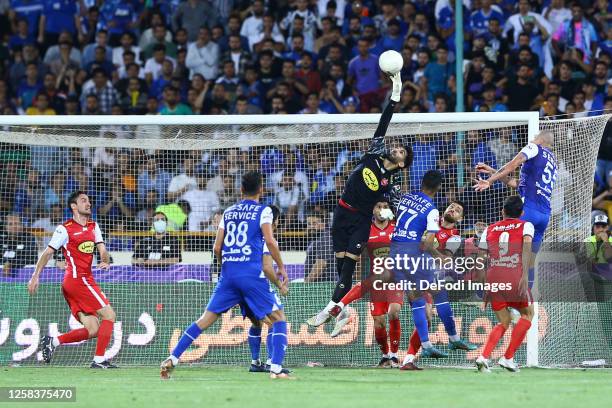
509	364
483	365
320	318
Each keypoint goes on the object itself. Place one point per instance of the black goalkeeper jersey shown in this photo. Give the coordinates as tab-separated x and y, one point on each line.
370	181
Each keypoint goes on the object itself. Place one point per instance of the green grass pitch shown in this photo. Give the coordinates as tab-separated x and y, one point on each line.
214	387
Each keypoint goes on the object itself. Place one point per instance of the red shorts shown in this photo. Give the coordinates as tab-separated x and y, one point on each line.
500	301
83	295
381	300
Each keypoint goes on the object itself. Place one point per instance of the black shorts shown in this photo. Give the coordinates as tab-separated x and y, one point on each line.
350	230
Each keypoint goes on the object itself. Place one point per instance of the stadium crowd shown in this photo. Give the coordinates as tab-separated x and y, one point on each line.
172	57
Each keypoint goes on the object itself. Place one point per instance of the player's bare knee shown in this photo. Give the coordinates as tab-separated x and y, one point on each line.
527	313
107	313
379	322
277	316
394	311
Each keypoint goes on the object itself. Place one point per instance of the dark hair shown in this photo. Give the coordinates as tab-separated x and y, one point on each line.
73	197
97	71
160	212
185	206
275	212
513	206
251	182
432	180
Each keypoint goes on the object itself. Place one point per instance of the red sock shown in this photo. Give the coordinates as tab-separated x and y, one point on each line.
395	333
518	335
381	339
104	335
352	295
74	336
496	334
414	343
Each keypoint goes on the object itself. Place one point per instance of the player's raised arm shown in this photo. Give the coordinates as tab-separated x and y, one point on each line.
508	180
503	173
377	145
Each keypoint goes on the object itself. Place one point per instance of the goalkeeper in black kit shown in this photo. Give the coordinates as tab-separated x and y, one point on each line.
374	178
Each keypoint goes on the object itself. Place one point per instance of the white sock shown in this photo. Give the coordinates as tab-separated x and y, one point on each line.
329	306
391	355
408	359
269	362
174	360
99	359
255	362
426	344
385	356
454	338
341	305
276	368
55	342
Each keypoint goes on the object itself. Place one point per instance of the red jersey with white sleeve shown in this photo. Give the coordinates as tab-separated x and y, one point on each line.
78	243
504	242
379	242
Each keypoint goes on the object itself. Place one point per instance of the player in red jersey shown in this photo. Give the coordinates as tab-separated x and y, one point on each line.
508	243
384	302
448	241
78	238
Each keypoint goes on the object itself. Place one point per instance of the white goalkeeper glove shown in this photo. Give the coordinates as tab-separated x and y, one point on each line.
387	214
396	92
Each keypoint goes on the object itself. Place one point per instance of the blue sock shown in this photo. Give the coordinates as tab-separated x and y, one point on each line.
269	341
445	313
279	342
255	341
531	277
420	318
186	339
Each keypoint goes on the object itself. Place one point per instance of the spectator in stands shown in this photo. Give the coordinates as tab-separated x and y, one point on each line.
47	224
164	79
57	16
323	181
103	90
176	214
363	71
159	38
101	60
203	203
193	14
118	17
89	52
516	22
153	178
599	247
126	45
522	92
252	26
29	87
160	250
320	259
41	106
153	65
203	55
147	210
22	36
29	197
239	56
172	106
135	100
18	246
65	40
115	205
577	33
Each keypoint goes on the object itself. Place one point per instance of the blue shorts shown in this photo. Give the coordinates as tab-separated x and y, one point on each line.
254	292
415	272
539	220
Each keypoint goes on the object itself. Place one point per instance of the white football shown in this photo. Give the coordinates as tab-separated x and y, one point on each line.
390	62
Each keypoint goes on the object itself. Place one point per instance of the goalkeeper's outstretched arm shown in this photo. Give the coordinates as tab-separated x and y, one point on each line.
377	146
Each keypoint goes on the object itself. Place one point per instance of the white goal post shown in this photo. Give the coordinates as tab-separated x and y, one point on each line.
324	133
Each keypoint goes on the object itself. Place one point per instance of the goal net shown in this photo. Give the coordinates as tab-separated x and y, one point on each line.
132	167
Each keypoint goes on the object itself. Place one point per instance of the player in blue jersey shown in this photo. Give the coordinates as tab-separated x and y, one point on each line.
535	185
254	336
239	247
414	241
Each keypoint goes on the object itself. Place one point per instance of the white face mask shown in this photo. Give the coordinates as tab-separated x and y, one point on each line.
159	226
